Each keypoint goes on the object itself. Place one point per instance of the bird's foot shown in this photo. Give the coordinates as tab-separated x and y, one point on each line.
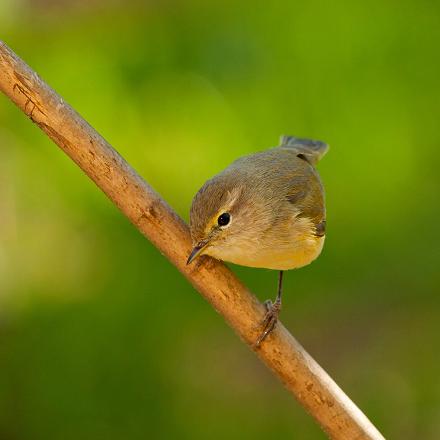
269	321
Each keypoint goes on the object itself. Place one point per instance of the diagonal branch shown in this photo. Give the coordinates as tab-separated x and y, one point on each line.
301	375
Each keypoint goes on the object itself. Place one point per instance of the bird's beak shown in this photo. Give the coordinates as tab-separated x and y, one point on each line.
196	251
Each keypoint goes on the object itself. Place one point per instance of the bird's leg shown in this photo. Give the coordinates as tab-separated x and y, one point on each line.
273	310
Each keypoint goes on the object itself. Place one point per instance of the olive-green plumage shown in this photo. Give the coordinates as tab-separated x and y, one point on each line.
275	204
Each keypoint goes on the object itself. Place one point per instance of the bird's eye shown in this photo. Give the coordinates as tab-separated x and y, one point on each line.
224	219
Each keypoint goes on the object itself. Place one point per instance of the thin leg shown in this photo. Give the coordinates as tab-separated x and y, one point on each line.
273	310
280	288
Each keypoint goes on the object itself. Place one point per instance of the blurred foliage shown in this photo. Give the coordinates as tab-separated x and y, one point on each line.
100	337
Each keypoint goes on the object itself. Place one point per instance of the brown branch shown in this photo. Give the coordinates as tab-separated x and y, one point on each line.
302	376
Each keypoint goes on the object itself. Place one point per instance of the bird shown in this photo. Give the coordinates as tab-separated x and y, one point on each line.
265	210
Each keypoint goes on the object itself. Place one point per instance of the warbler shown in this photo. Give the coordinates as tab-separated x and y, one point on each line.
265	210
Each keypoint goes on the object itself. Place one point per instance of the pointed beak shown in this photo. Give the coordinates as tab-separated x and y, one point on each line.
196	252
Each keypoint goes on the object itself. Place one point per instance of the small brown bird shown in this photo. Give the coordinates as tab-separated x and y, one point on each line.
265	210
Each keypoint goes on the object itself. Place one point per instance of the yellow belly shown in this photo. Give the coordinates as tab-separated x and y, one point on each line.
301	254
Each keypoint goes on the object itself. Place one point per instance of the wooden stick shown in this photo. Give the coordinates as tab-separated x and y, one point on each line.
302	376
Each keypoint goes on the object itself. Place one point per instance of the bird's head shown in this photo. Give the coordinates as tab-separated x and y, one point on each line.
224	218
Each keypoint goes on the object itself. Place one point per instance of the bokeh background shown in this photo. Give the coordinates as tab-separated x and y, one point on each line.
100	337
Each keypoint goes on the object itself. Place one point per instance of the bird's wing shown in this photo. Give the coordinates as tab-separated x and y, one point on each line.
305	192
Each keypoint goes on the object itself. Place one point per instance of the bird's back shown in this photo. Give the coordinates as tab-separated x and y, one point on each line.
284	172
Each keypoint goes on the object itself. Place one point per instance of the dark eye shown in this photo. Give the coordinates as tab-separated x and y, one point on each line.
224	219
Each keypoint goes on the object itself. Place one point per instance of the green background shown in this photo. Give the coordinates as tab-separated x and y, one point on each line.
100	337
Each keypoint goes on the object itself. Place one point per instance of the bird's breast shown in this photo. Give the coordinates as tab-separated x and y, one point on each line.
295	247
279	259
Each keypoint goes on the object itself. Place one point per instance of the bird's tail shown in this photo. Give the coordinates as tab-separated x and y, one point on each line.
311	150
